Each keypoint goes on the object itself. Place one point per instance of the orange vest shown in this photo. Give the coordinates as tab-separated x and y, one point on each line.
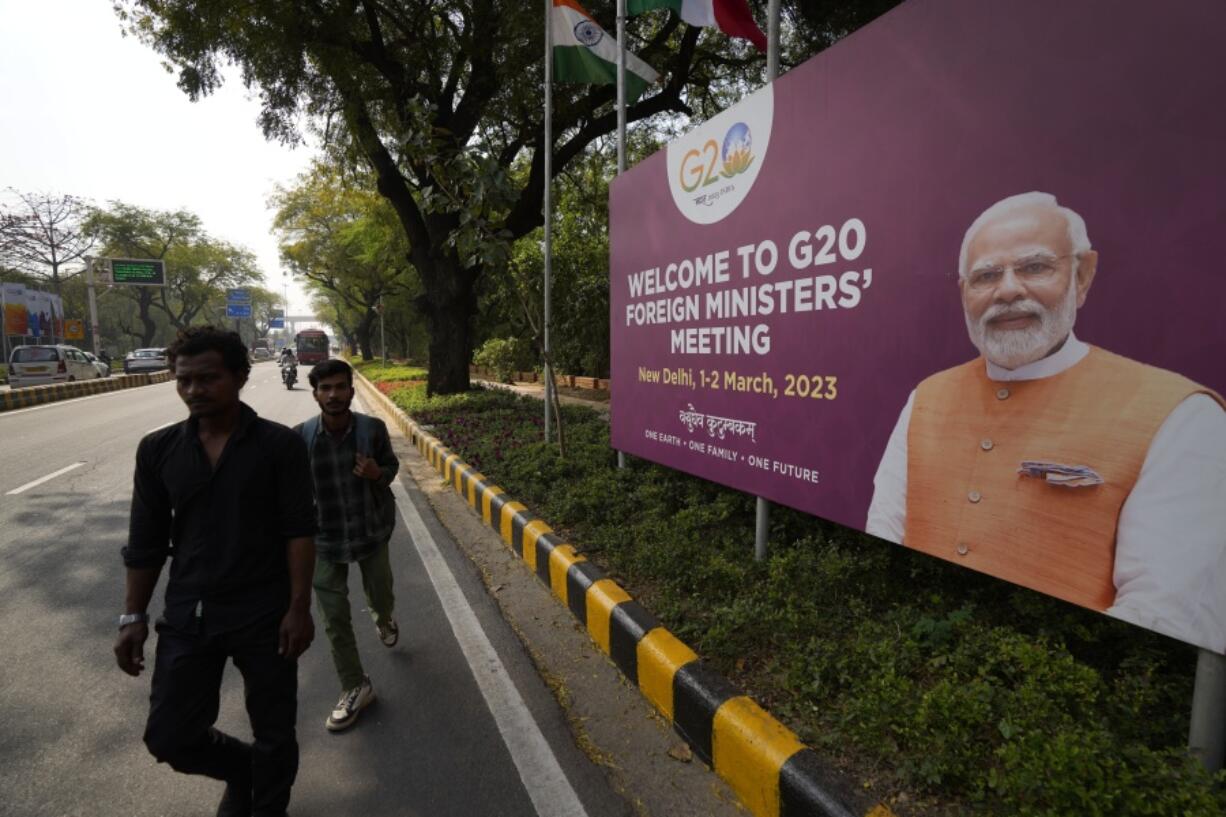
968	435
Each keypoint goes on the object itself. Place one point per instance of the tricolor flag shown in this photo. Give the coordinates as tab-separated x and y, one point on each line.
583	52
730	16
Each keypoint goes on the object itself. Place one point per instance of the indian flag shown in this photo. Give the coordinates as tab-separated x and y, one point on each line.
730	16
583	52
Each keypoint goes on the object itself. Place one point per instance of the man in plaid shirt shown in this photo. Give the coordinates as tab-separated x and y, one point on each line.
352	467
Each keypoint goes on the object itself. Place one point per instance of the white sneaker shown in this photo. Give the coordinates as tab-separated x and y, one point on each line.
352	702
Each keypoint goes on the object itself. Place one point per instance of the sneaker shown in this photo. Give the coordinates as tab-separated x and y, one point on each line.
352	702
389	633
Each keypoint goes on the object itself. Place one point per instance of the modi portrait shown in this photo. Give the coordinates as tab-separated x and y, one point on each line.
1053	463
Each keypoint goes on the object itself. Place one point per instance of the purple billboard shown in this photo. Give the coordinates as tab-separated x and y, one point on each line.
957	282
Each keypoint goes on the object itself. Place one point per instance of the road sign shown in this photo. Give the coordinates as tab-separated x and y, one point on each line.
276	323
234	310
149	272
74	329
238	296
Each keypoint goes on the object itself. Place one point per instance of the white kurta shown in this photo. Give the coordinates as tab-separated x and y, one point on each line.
1170	546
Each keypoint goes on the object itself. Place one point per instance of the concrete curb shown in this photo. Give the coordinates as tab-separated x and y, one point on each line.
764	762
40	395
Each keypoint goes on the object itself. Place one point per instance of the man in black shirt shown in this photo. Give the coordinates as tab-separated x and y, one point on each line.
227	495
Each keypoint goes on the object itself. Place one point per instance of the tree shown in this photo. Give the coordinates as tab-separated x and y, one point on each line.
127	230
343	239
198	272
43	234
440	99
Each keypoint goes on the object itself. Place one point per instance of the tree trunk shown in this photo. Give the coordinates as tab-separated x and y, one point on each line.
363	334
449	311
145	301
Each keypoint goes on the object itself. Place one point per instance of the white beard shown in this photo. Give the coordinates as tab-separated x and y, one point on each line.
1013	348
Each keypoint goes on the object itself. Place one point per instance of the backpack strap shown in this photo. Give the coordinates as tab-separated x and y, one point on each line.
308	430
364	432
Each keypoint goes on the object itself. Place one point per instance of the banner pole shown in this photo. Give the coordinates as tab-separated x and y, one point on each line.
1207	728
763	510
548	169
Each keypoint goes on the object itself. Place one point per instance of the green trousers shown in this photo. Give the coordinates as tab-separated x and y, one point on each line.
332	592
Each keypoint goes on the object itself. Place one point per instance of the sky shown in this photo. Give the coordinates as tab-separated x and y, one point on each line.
87	111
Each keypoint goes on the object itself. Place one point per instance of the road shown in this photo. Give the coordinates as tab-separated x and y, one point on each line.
435	743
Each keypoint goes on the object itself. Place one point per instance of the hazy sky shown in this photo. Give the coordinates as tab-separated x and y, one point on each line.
87	111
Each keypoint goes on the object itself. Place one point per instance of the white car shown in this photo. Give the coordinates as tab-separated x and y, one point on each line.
40	365
104	368
145	360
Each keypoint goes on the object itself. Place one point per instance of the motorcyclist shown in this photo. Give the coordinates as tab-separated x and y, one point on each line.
289	366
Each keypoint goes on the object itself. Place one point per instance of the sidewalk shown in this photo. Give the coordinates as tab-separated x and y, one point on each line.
597	401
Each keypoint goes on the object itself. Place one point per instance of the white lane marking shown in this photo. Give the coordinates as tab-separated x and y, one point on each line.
47	478
543	778
115	393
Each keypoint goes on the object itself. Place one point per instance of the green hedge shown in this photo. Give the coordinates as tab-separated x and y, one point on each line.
965	694
393	372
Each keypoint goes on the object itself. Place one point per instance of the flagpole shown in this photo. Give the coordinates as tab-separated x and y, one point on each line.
772	41
621	119
548	204
621	86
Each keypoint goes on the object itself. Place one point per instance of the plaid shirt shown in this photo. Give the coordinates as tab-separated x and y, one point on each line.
356	515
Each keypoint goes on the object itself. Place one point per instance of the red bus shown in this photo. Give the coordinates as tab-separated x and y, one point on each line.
312	346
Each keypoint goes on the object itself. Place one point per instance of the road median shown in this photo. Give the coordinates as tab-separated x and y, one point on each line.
55	392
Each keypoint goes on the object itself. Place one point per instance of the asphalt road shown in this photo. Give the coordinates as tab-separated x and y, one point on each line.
442	739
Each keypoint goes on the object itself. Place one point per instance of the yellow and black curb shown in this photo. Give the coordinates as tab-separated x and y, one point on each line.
764	762
40	395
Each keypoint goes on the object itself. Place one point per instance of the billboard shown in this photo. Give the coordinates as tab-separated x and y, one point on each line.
955	282
16	322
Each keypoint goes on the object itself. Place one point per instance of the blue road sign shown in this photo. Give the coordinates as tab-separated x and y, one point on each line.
234	310
238	296
276	323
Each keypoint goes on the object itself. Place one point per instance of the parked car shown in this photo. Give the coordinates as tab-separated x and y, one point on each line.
145	360
104	368
261	353
40	365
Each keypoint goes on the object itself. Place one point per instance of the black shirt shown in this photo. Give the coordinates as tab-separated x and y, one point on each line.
226	528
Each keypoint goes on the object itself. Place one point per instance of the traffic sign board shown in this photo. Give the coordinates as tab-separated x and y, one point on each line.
238	296
234	310
276	323
74	329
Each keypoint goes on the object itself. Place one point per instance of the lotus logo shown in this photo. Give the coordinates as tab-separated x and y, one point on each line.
738	150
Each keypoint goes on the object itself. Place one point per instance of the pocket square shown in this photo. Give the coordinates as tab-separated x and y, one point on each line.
1064	476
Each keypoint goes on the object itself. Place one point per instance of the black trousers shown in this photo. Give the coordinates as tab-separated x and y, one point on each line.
184	704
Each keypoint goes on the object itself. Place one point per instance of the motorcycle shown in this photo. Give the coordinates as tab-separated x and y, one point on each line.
289	373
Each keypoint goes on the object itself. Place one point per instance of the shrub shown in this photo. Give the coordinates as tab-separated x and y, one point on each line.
505	356
971	695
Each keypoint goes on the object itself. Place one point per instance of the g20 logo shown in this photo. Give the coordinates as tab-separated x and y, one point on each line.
706	166
712	169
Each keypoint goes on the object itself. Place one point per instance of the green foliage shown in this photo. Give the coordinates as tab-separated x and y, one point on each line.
505	356
968	693
376	372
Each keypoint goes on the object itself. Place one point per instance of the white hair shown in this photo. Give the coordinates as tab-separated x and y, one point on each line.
1076	224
